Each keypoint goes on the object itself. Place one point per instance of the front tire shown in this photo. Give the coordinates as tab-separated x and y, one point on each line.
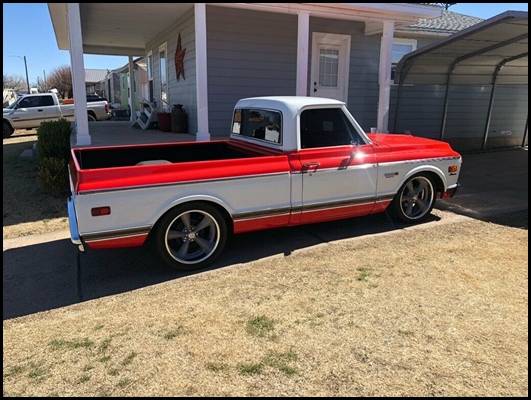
8	130
190	236
414	201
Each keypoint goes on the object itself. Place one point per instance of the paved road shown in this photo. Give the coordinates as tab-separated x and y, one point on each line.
39	276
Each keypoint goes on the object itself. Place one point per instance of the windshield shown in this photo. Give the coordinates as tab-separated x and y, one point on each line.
12	105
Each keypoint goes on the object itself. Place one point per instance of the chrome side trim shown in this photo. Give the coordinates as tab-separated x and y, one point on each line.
418	160
115	234
311	207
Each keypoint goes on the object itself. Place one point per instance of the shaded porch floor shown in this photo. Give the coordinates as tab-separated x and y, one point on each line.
107	133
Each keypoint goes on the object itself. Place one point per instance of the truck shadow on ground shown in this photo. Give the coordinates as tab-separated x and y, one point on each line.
44	276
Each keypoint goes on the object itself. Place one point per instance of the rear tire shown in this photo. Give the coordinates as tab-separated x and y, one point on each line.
8	130
190	236
414	201
91	117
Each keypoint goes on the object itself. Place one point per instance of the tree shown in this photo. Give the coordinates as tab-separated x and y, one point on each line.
61	79
42	85
15	82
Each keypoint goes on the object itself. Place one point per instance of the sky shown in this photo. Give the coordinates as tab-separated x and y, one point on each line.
37	42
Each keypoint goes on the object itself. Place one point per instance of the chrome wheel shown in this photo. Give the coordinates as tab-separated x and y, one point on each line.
417	197
192	237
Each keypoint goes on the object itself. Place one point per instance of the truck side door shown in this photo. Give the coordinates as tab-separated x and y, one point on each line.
32	110
339	172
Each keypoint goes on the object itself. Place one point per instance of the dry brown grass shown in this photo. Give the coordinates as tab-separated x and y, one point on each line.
440	311
27	210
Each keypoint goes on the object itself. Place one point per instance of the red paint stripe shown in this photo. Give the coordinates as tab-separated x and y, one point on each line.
260	223
309	217
111	243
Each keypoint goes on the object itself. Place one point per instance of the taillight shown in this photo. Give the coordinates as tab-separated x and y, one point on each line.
97	211
106	107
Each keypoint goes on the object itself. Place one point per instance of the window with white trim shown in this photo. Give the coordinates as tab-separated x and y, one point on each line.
400	48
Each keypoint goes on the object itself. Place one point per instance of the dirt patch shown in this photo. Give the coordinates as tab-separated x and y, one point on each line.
439	311
27	209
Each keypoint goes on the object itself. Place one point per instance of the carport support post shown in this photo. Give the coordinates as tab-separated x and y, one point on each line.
201	71
384	76
489	110
78	74
445	101
525	131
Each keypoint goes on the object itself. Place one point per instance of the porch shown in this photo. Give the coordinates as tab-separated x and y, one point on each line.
252	49
110	133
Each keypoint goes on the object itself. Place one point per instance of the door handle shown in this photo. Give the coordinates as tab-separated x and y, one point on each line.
39	110
311	165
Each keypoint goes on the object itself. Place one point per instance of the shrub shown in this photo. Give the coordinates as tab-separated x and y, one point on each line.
54	139
53	175
53	148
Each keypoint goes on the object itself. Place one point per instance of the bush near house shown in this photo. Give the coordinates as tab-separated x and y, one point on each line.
53	149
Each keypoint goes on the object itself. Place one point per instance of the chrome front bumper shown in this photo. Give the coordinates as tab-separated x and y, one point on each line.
72	223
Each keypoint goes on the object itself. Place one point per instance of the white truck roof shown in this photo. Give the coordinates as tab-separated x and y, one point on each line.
287	104
291	107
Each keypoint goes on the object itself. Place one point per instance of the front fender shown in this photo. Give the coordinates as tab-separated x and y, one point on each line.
425	168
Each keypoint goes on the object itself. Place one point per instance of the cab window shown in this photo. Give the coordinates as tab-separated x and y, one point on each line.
326	127
258	124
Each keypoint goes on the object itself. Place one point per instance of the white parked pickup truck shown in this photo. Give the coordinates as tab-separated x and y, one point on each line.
289	161
32	109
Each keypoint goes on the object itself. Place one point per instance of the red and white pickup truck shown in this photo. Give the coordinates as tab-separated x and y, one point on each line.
288	161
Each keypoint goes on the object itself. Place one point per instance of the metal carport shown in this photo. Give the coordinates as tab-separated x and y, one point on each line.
488	55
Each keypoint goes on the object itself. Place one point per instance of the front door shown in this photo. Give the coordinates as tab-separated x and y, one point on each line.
338	169
330	66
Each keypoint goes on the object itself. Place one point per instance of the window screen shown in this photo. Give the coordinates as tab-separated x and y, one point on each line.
258	124
325	127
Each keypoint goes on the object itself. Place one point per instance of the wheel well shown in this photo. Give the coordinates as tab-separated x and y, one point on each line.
221	209
91	112
7	122
436	179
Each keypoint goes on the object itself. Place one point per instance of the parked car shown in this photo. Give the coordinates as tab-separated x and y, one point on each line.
32	109
289	161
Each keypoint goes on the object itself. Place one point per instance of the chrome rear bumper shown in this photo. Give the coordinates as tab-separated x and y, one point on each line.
72	223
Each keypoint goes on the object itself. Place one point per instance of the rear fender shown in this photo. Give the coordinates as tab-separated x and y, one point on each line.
192	198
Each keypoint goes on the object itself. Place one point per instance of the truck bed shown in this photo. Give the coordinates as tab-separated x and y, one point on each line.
117	167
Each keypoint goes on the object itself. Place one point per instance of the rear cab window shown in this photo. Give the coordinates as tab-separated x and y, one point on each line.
258	124
327	127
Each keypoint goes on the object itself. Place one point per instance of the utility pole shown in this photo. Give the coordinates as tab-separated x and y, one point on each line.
45	83
27	78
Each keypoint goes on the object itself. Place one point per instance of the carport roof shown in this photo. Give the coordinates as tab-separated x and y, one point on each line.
474	55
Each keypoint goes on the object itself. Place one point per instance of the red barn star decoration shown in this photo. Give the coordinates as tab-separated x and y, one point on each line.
179	59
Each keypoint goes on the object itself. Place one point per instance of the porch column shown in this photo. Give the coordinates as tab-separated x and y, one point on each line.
78	74
384	76
131	97
303	37
201	71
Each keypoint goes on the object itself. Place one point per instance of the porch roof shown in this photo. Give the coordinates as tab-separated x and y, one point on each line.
474	56
126	28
